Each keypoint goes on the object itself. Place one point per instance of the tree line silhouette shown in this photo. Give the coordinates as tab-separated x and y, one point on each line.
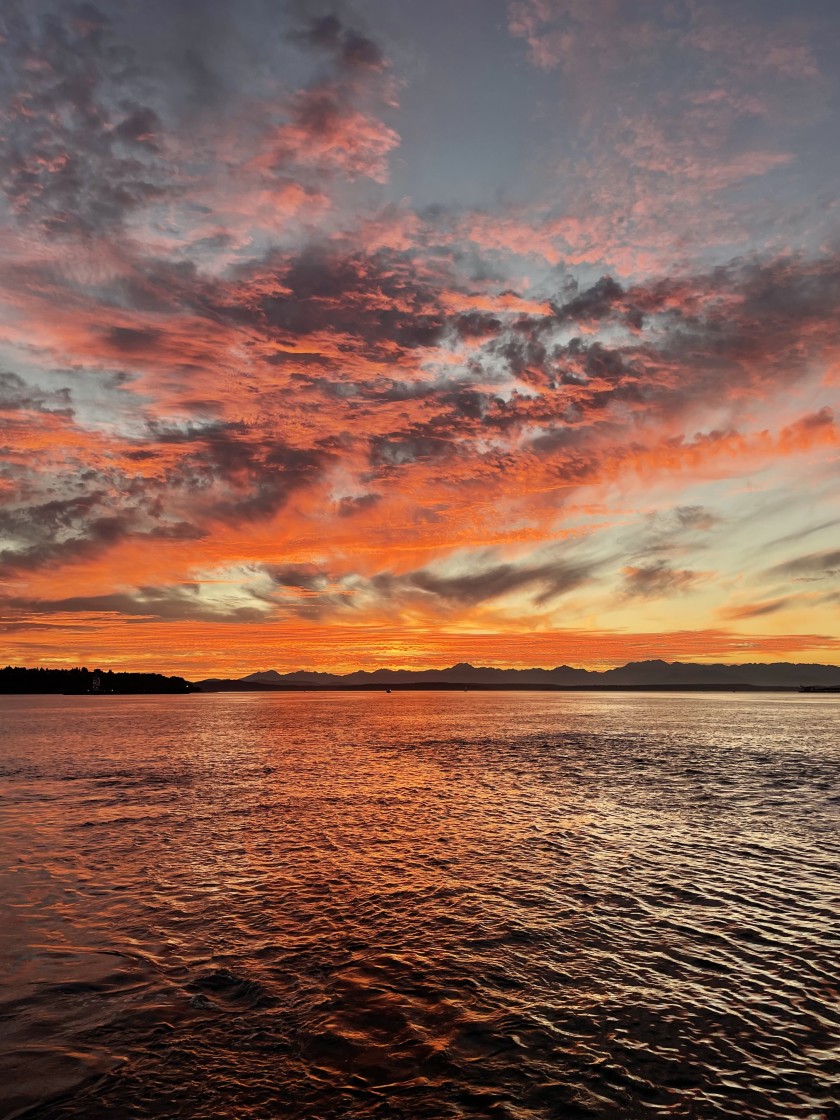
15	679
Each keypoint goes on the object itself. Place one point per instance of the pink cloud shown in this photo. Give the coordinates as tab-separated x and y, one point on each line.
327	135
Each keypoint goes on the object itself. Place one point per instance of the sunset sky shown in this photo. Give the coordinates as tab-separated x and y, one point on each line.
406	333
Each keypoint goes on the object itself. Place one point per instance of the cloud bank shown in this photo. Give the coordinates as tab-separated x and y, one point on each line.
249	390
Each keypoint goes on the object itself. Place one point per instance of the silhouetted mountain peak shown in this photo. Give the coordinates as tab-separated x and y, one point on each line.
653	673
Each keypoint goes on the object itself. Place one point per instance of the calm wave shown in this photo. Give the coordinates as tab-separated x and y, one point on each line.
420	906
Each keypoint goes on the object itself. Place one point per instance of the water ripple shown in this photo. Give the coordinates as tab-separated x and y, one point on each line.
422	906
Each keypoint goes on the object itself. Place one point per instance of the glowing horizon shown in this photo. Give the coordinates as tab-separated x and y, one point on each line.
352	337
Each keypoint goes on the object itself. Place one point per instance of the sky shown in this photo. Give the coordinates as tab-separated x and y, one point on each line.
395	333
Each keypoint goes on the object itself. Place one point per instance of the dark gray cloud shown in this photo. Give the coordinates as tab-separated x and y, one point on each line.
746	328
347	507
399	450
305	577
78	151
654	581
672	532
63	530
224	471
257	472
595	303
477	324
60	530
549	580
131	340
348	48
308	591
178	603
17	395
376	298
812	566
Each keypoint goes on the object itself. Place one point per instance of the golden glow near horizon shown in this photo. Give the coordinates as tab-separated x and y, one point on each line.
328	367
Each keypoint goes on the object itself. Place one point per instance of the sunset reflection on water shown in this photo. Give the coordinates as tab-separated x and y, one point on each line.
424	905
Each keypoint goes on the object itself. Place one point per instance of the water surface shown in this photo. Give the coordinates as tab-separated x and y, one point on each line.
420	905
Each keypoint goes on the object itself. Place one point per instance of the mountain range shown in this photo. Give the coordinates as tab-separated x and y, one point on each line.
636	674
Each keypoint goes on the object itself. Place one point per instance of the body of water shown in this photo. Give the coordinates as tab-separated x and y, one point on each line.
420	905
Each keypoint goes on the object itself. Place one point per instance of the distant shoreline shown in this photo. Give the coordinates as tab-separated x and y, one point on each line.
645	676
431	686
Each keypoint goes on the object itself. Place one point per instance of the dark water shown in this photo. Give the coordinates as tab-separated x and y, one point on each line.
439	905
